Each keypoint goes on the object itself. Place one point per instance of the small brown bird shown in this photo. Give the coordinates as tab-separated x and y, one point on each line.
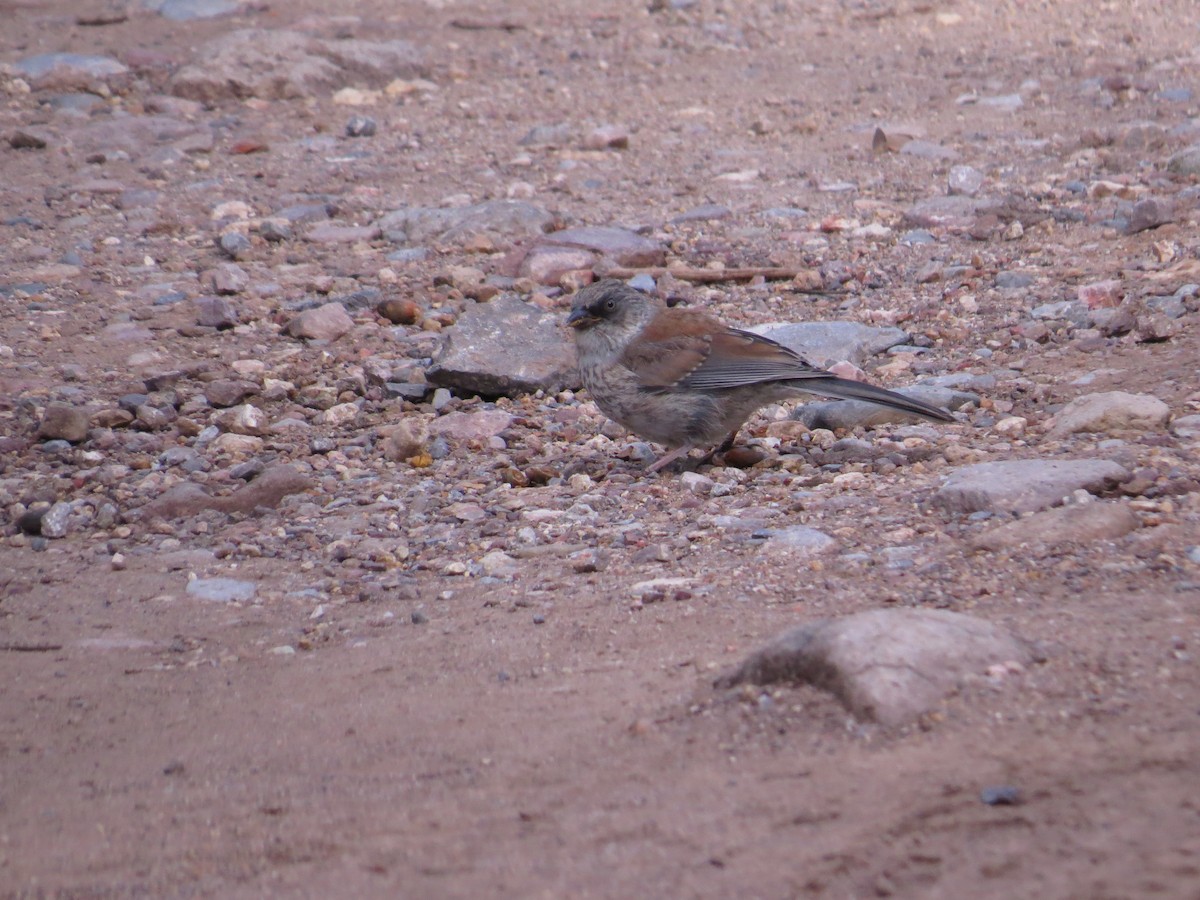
681	378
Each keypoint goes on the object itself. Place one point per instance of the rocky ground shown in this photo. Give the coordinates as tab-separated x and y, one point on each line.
319	578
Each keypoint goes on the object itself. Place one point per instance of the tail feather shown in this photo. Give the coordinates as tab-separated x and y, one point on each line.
845	389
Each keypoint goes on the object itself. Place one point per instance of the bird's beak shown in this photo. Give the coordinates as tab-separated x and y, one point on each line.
580	318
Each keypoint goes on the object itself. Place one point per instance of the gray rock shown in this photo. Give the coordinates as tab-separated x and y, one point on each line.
224	392
706	212
503	348
68	71
928	150
228	278
278	64
964	180
56	521
1008	281
546	136
1025	485
1186	161
1110	411
234	244
548	264
471	426
955	210
361	126
827	343
620	245
886	665
797	540
1078	522
189	10
221	590
1186	427
502	218
325	323
62	421
215	312
1149	213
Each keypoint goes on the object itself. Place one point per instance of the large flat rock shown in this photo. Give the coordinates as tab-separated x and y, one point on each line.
1025	485
504	348
885	665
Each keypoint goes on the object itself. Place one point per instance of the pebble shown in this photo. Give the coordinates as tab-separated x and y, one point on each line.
964	180
324	323
361	126
63	421
215	312
235	245
1000	795
222	590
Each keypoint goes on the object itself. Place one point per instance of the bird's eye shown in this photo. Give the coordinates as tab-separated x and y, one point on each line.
610	304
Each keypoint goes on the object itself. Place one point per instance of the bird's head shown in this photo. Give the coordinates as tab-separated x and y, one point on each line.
611	307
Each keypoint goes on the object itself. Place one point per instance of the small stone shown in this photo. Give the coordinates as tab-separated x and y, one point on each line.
798	540
361	126
1000	795
471	426
54	523
222	590
964	180
1147	214
1186	161
228	392
62	421
499	564
1106	293
338	415
229	278
607	137
235	245
274	230
244	419
696	483
405	440
215	312
399	311
325	323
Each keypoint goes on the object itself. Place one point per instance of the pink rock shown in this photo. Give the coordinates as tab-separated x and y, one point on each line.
327	233
607	137
546	265
325	323
1100	294
467	426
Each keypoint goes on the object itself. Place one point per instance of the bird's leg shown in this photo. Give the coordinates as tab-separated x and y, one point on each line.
667	459
724	447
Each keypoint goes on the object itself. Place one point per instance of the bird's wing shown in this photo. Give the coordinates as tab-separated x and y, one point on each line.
738	358
689	349
672	346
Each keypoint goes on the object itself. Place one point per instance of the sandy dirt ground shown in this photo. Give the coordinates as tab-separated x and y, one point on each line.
383	723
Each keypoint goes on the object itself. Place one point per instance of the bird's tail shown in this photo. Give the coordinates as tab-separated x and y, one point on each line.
845	389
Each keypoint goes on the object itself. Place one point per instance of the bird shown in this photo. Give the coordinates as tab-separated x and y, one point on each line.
681	378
